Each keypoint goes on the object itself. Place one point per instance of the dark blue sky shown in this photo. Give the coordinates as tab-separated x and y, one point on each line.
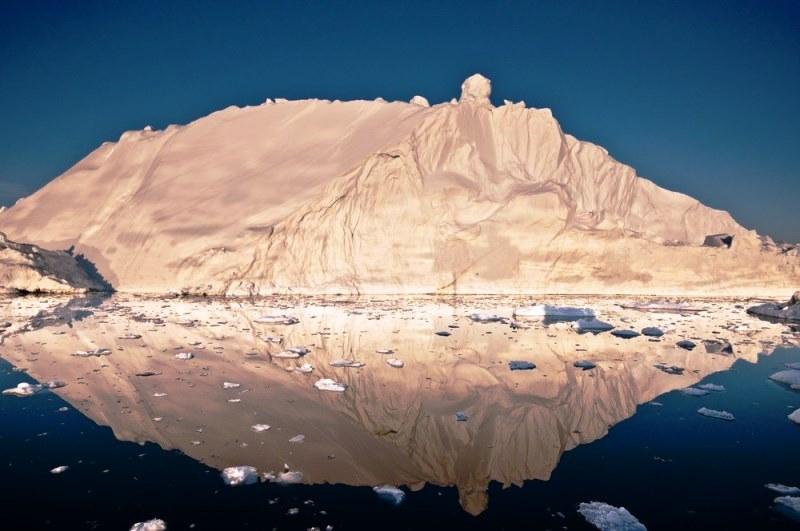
702	97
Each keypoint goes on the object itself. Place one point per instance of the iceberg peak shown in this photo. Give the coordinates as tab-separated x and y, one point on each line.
476	89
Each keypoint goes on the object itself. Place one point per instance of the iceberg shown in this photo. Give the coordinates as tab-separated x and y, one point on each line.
606	517
394	362
276	320
782	489
239	475
716	414
560	312
693	391
326	384
24	389
795	417
521	365
390	494
259	428
156	524
788	377
592	325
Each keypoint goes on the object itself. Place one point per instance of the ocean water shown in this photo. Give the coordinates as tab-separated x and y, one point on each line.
534	445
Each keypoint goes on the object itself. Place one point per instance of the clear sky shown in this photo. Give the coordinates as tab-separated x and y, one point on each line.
700	96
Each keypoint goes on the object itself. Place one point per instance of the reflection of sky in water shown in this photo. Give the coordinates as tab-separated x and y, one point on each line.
397	426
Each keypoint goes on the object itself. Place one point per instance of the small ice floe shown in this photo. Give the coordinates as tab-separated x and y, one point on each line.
184	356
652	331
795	365
586	365
521	365
59	469
669	369
287	477
787	377
606	517
390	494
461	416
156	524
259	428
159	395
147	373
782	489
716	414
485	318
663	306
394	362
305	368
298	438
341	362
558	312
795	417
790	505
230	385
326	384
592	325
385	351
239	475
693	391
273	339
24	389
686	344
443	333
712	387
286	355
96	353
130	336
300	351
625	334
277	320
715	346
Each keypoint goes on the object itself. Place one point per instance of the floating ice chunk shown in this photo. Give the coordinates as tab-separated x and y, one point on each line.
326	384
591	325
788	377
230	385
159	395
584	364
559	312
277	320
184	356
130	336
259	428
790	504
147	373
156	524
606	517
652	331
394	362
795	417
239	475
693	391
341	362
485	318
669	369
795	366
461	416
521	365
298	438
686	344
385	351
714	346
59	469
286	354
92	353
443	333
712	387
24	389
305	368
390	494
782	489
715	414
625	334
300	351
287	477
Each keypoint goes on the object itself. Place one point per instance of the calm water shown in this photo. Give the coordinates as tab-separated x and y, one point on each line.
535	443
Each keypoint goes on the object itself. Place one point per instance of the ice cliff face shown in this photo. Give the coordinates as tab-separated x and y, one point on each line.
319	196
28	268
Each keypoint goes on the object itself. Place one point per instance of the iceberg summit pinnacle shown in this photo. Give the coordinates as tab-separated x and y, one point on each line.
378	197
476	89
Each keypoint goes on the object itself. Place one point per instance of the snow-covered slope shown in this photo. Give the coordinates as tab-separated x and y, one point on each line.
370	196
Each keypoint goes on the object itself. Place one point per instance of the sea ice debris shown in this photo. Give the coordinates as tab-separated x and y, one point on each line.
606	517
716	414
390	494
239	475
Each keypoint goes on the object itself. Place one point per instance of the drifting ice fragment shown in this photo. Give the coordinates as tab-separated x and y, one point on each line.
485	318
795	417
782	489
277	320
652	331
795	365
230	385
259	428
92	353
59	469
712	387
715	414
347	363
184	356
24	389
394	362
584	364
156	524
591	325
461	416
693	391
790	505
386	351
625	334
559	312
606	517
239	475
326	384
390	494
287	477
686	344
297	438
521	365
788	377
305	368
